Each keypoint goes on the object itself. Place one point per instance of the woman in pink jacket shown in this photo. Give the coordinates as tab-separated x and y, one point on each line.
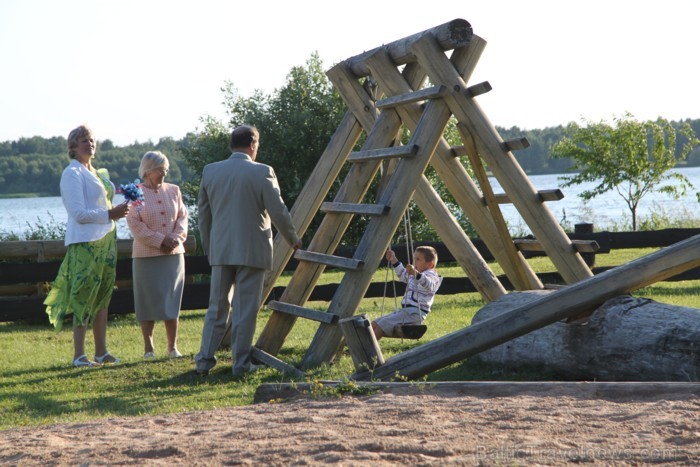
159	228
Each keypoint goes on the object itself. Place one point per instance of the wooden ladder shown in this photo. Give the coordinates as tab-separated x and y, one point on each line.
425	112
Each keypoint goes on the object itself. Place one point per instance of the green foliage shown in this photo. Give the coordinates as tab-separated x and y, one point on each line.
631	157
295	123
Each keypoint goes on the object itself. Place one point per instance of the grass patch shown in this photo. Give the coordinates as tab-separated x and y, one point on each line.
38	385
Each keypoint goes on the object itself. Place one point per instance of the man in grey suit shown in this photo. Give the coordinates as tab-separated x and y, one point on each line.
238	200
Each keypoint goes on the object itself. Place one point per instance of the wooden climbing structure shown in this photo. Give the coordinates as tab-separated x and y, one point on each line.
387	94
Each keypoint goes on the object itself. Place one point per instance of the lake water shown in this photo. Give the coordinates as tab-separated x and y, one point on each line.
17	214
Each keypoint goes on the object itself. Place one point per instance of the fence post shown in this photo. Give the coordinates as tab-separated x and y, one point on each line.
586	228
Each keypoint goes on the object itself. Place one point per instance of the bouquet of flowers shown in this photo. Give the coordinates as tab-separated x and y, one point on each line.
132	192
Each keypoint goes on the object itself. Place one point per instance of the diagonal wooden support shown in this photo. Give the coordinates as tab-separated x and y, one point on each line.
380	230
455	176
502	163
353	189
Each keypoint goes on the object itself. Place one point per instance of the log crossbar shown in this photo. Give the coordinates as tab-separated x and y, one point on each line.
355	208
276	363
450	35
329	260
407	150
478	89
411	97
516	144
314	315
545	195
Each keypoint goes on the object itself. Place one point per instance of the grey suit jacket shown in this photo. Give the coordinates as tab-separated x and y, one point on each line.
238	200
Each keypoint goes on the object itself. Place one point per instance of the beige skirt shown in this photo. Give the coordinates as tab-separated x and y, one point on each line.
158	285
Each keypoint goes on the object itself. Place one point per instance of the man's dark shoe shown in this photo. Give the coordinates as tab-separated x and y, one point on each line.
200	373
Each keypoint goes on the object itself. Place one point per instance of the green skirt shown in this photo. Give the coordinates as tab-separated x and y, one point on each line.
85	281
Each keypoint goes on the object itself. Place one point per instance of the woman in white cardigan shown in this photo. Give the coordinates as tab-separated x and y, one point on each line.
85	280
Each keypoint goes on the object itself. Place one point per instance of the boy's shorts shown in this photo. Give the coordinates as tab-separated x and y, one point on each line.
392	322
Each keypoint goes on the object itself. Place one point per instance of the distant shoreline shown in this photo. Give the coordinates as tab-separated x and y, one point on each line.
25	195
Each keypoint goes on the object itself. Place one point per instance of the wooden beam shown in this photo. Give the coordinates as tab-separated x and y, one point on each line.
545	195
362	343
516	144
408	150
478	89
457	242
568	301
276	363
411	97
453	34
329	260
355	208
314	315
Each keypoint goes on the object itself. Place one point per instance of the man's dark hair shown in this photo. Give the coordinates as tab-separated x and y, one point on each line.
243	136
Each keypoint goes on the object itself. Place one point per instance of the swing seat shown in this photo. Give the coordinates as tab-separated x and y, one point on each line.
412	331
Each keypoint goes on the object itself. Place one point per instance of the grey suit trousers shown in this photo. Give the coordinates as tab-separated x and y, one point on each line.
244	285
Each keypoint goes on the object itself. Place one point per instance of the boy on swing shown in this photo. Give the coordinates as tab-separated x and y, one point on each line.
422	281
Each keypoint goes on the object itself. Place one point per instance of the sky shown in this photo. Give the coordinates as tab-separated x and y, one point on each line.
140	70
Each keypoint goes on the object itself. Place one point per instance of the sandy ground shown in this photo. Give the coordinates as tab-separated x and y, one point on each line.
535	427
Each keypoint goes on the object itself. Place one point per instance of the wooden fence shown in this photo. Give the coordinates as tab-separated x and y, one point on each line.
27	267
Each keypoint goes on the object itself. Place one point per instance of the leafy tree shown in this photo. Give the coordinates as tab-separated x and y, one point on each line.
631	157
295	122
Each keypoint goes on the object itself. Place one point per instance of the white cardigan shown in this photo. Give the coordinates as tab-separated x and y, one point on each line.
85	199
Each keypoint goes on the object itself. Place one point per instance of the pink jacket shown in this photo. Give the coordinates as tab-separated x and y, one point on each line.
161	213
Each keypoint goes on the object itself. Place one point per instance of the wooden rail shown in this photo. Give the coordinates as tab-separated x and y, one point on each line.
23	284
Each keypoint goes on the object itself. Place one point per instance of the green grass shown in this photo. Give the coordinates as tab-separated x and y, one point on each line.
39	386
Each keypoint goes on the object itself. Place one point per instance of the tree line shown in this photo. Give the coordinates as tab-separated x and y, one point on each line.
296	122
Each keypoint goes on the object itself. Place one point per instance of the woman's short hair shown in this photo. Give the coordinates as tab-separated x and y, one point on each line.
243	136
74	137
151	161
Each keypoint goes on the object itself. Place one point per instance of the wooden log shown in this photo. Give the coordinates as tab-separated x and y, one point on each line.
625	339
355	208
453	34
329	260
362	343
411	97
408	150
545	195
276	363
478	89
516	144
569	301
301	312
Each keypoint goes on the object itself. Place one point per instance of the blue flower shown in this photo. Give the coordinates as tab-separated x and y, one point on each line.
132	192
